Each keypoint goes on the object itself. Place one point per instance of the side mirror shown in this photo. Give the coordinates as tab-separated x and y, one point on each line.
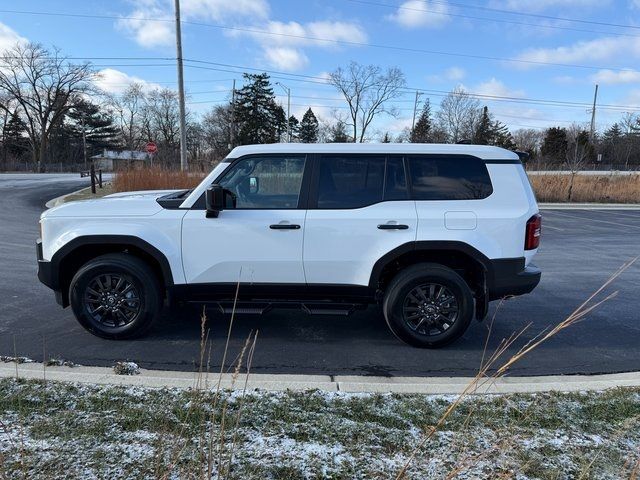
214	200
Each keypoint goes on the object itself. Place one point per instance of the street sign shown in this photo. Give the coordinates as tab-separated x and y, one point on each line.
151	147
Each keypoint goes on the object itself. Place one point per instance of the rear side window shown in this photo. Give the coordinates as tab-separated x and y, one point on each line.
395	183
451	177
350	181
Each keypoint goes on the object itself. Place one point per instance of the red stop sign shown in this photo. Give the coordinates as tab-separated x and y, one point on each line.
151	147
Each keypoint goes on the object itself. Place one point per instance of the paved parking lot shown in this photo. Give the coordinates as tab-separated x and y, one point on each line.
580	250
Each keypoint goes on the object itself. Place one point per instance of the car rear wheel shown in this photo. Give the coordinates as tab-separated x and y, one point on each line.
116	296
428	305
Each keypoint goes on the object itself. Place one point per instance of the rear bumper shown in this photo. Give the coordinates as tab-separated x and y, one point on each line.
510	277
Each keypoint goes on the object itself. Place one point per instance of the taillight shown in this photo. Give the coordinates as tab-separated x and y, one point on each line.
533	232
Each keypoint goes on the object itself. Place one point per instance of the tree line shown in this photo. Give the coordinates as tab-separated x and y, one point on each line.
52	113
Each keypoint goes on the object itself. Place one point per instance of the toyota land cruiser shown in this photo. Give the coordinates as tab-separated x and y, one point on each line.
431	233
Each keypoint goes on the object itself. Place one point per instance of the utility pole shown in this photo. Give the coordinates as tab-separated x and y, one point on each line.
183	122
288	90
232	127
84	141
415	109
593	116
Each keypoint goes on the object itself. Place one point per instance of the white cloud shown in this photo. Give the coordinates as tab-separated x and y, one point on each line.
421	13
309	34
9	37
611	77
604	48
114	81
161	33
496	88
284	40
285	58
221	9
452	74
541	5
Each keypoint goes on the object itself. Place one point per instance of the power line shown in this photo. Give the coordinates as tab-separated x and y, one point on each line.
240	69
514	12
329	40
497	20
321	80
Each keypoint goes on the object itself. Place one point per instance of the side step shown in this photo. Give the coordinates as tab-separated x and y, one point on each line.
244	308
343	309
311	308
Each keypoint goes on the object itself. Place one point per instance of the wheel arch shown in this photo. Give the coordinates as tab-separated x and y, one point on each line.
71	256
462	257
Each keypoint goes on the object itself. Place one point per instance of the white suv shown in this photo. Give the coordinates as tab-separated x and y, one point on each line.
432	233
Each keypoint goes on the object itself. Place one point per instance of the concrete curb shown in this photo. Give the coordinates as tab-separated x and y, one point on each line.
354	384
589	206
54	202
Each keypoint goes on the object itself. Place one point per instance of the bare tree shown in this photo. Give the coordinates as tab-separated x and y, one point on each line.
216	126
45	86
529	140
367	90
630	124
578	149
458	115
128	109
163	116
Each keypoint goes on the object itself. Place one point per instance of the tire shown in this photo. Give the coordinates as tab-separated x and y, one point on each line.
116	296
419	318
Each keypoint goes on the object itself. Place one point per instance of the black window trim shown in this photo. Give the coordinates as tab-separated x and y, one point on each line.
308	199
303	197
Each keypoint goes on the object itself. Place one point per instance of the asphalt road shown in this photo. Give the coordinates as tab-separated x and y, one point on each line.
580	250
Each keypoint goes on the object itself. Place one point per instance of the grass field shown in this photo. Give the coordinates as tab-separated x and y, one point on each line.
605	188
132	432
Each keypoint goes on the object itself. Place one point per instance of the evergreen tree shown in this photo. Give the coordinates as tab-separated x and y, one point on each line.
554	145
309	127
421	133
339	133
483	134
15	136
386	138
98	127
294	127
259	119
501	136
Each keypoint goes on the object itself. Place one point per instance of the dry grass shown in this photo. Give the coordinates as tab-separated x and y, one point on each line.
587	188
155	178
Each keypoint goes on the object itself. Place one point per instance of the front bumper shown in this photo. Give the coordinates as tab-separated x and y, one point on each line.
511	277
46	274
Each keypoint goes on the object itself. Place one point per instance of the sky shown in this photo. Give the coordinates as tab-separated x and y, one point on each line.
534	62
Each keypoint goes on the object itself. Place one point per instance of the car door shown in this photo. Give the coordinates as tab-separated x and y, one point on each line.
258	241
359	210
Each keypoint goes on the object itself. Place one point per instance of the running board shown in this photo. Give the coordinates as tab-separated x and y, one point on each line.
244	308
329	308
311	308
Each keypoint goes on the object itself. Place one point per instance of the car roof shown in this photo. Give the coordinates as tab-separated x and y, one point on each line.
485	152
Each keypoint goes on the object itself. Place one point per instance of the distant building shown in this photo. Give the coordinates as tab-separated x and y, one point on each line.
111	160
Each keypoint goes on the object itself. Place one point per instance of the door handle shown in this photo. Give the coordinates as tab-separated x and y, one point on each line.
393	226
284	226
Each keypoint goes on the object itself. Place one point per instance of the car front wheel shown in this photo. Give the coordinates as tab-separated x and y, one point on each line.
116	296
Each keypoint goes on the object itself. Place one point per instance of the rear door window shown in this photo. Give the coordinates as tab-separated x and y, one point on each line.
350	181
451	177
